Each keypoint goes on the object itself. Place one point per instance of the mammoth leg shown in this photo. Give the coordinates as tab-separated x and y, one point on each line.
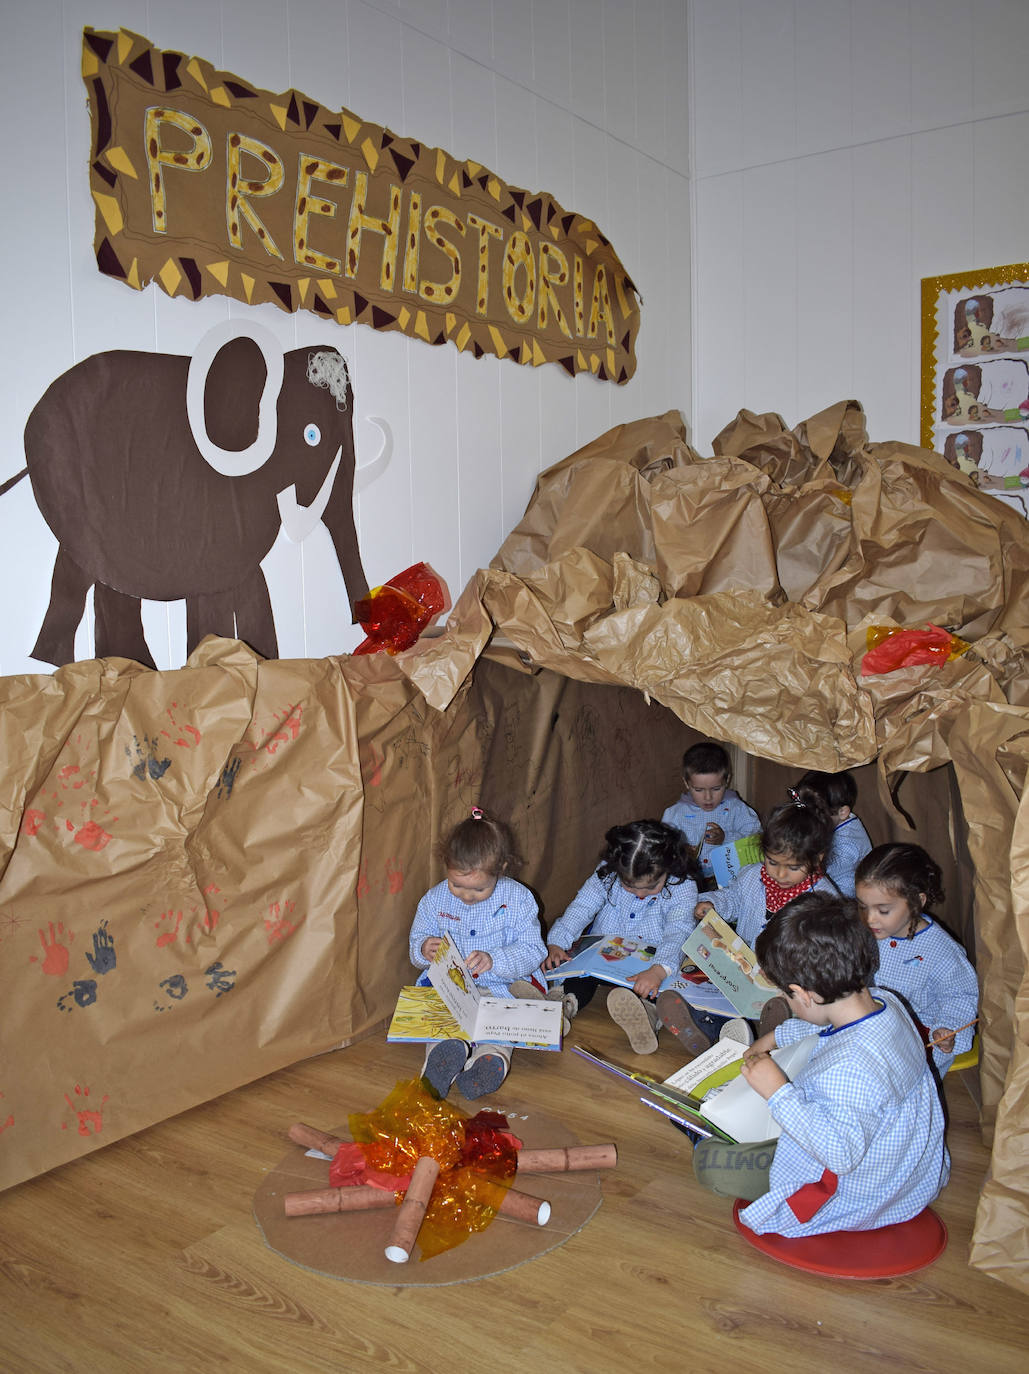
55	642
338	519
245	613
255	624
209	614
119	626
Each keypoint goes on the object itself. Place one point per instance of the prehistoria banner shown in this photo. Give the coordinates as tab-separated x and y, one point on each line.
206	185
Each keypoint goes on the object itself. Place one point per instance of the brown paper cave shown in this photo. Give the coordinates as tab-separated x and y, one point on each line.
210	873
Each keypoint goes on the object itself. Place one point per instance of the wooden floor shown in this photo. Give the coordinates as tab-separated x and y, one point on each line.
145	1256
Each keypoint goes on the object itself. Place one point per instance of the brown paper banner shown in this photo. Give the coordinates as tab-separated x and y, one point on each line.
206	185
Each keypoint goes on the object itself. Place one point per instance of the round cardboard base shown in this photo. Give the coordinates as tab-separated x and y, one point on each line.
352	1245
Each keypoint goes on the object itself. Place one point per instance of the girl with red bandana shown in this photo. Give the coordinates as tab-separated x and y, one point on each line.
795	839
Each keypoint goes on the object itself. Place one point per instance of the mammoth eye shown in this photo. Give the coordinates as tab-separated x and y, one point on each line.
312	435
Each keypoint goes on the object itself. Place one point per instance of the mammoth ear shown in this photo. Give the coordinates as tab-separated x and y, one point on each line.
232	394
225	382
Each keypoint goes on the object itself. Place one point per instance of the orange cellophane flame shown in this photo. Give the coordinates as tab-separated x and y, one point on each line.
477	1158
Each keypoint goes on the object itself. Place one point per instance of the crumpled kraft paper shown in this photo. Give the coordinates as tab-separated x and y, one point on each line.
210	873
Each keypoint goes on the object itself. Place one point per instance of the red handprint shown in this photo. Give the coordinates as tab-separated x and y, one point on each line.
394	876
167	936
55	954
87	1117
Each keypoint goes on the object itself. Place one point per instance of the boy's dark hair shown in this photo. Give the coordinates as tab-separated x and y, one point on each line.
706	757
905	869
833	790
801	829
482	841
644	849
820	943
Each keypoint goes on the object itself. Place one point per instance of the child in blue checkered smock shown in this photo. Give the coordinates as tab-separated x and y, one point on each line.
861	1142
494	923
918	960
709	813
794	840
837	792
644	888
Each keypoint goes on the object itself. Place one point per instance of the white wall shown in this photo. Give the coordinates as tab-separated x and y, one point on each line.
843	150
583	98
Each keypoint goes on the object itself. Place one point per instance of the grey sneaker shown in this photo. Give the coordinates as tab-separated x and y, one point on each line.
737	1029
521	987
636	1017
569	1006
443	1062
484	1075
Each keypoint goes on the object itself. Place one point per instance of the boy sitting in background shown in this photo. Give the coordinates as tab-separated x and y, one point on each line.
709	812
862	1124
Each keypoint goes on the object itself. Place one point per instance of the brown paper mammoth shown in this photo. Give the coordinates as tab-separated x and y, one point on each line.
167	478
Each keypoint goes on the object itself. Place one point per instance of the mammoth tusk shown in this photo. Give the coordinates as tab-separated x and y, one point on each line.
368	472
298	521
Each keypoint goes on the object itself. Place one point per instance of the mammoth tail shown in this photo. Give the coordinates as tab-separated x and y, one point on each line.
12	481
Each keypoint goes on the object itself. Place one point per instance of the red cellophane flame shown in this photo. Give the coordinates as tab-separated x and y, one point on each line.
891	648
395	614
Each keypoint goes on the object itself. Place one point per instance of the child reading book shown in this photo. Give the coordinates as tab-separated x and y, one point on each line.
643	887
795	838
862	1123
494	923
918	960
709	813
837	792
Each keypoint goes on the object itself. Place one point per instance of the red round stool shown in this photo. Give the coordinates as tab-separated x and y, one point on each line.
903	1248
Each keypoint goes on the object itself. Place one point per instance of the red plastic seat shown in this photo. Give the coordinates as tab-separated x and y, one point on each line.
888	1252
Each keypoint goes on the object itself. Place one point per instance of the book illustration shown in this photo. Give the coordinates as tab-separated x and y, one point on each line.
610	959
726	860
730	964
421	1014
726	1100
452	1008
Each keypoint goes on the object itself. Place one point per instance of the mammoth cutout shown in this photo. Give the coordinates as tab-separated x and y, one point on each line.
167	478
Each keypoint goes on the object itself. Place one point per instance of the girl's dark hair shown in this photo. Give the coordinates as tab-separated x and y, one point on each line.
907	870
833	790
482	841
645	849
706	757
819	942
801	829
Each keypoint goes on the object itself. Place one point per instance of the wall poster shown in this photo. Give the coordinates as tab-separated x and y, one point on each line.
975	377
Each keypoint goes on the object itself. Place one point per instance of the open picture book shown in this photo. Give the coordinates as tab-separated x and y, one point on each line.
729	964
610	959
724	1098
709	1095
726	860
453	1008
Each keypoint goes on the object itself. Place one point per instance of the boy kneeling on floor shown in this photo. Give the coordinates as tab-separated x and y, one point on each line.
862	1124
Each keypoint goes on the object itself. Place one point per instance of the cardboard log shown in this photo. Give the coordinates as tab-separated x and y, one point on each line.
566	1159
321	1201
412	1210
313	1139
